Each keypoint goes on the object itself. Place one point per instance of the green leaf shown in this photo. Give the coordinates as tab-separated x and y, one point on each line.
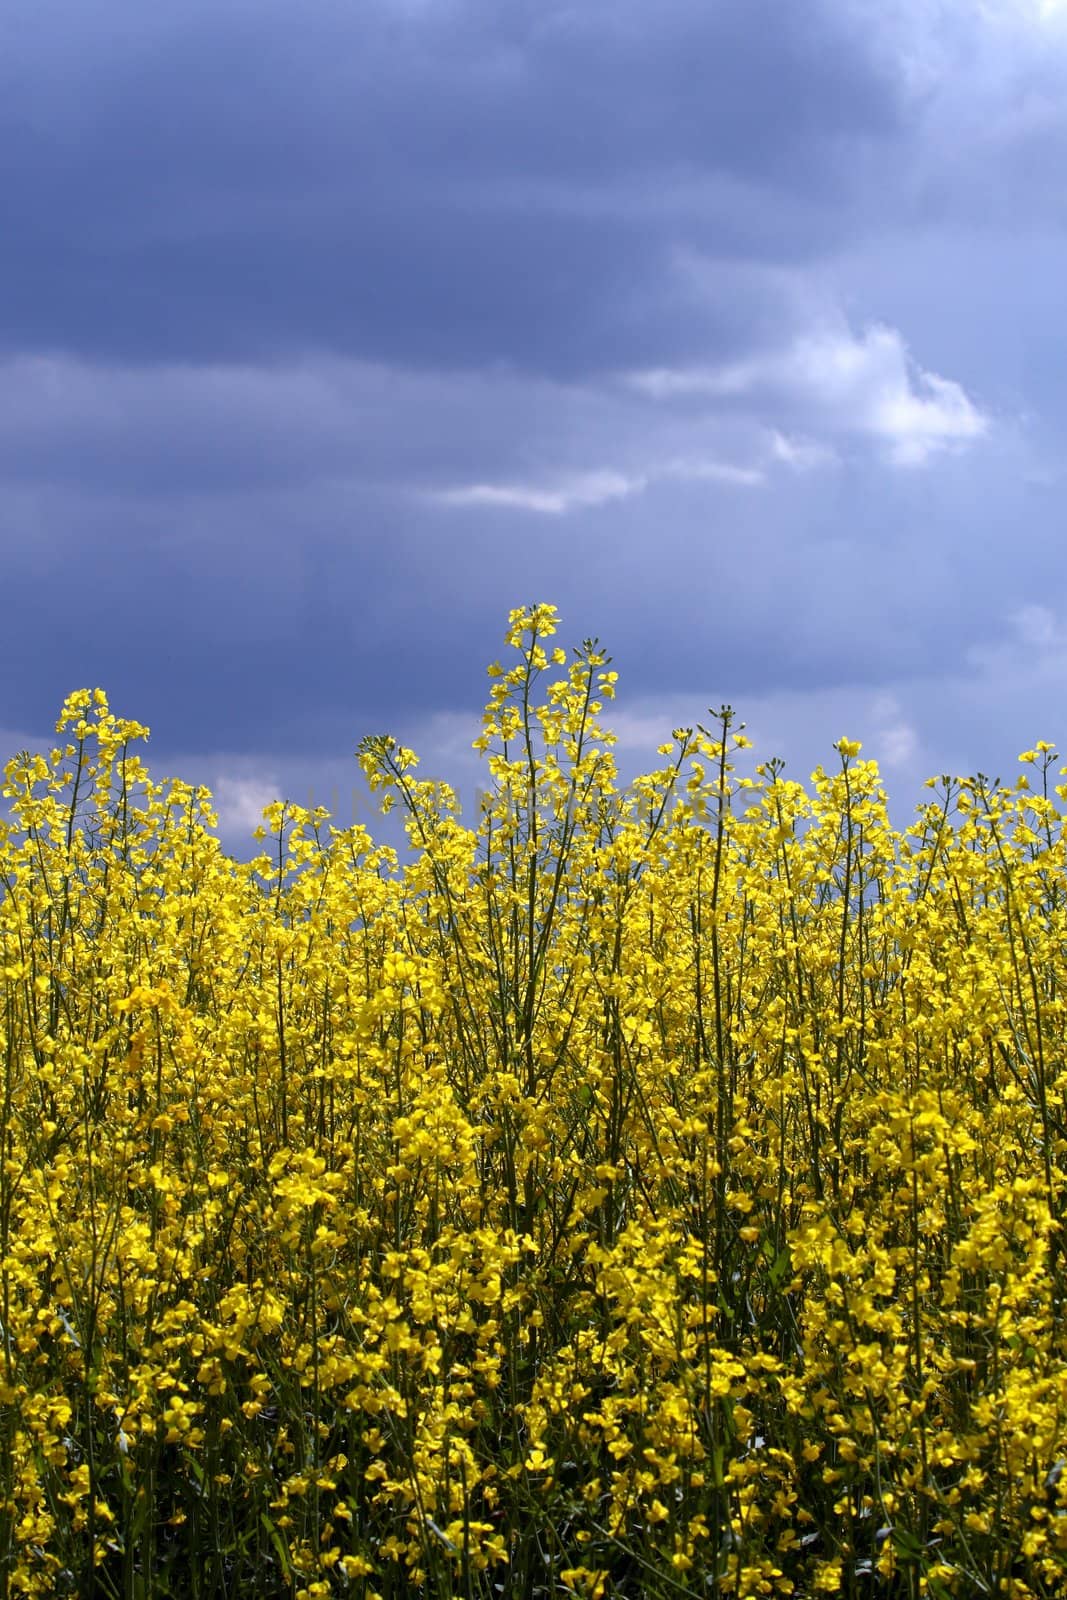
908	1546
278	1542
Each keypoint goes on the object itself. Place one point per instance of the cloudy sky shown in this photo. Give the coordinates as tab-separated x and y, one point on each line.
734	328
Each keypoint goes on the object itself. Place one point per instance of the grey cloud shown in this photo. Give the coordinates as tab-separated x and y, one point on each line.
187	430
240	183
262	548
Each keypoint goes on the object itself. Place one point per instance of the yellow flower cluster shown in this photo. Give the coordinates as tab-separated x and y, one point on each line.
646	1190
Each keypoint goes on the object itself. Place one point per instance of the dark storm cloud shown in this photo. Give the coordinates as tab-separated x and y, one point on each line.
447	185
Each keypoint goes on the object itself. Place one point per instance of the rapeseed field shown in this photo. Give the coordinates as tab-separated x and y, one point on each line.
634	1190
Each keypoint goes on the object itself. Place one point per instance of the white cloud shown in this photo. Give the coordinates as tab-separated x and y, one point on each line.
240	802
895	743
667	383
557	497
568	494
1035	626
801	454
706	469
897	746
847	384
919	418
1025	11
1034	649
